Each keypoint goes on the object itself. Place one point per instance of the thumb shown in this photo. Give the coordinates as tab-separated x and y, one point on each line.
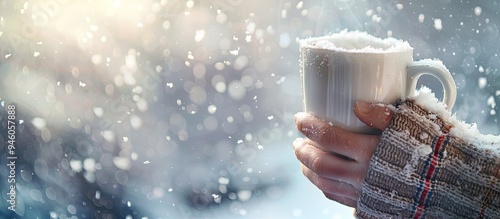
374	115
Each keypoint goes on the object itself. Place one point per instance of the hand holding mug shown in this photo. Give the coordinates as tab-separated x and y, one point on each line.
336	160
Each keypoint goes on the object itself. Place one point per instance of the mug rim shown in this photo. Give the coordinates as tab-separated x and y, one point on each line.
387	45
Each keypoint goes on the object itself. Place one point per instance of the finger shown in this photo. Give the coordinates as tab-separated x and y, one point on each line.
334	139
330	185
375	115
342	200
329	166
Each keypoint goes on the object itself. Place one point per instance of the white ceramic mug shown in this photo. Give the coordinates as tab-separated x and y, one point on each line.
340	69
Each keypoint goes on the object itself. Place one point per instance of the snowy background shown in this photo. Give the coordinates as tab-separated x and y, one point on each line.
184	109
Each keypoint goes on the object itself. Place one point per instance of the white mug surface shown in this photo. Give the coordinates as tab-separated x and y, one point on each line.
340	69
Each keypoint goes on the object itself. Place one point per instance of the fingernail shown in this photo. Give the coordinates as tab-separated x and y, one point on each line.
299	116
298	142
364	107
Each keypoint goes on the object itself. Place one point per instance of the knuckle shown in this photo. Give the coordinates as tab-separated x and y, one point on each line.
326	135
370	149
316	165
320	182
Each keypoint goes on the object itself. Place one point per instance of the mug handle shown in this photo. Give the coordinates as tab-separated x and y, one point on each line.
436	69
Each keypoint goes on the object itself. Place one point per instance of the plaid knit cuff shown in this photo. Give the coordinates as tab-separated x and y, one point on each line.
427	166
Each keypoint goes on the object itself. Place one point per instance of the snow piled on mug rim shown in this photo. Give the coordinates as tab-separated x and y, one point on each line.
391	45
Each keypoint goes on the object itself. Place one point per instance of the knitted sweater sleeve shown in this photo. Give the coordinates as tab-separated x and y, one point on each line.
428	167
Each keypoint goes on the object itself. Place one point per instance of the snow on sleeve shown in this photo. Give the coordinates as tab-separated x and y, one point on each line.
469	132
